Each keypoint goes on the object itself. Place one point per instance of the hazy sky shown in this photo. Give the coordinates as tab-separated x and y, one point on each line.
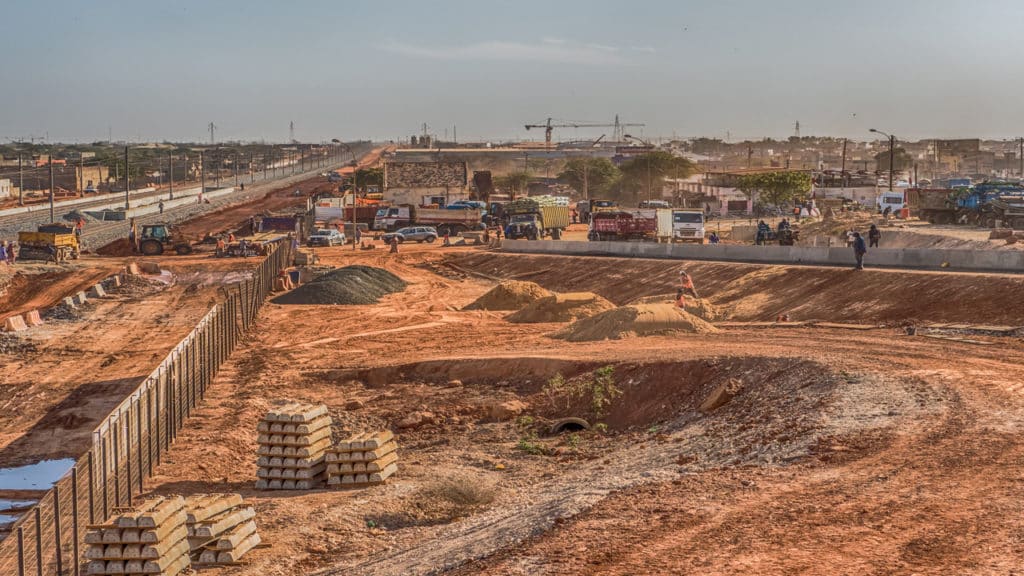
380	69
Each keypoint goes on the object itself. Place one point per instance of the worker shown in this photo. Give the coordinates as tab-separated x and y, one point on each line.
51	252
763	230
497	233
394	245
3	252
133	236
713	238
231	237
161	206
12	255
79	225
220	246
886	213
685	287
359	235
859	250
874	235
447	240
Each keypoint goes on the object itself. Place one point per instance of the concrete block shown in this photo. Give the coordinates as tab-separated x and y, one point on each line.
32	318
69	302
112	282
80	298
14	324
133	269
97	291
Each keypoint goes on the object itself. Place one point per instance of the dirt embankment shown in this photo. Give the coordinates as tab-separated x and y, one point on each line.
762	292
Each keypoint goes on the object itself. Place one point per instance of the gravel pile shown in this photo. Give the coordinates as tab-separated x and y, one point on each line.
13	344
348	285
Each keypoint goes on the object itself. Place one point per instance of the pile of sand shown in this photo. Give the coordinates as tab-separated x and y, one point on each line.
348	285
562	308
509	295
701	308
634	320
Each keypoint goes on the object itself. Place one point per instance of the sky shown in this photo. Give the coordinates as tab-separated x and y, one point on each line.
151	71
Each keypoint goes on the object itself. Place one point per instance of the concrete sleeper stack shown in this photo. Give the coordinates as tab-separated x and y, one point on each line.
363	460
149	539
220	528
293	440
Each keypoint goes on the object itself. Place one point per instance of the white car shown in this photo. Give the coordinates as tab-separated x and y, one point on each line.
326	237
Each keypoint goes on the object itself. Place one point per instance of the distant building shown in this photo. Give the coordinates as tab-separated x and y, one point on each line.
425	183
5	188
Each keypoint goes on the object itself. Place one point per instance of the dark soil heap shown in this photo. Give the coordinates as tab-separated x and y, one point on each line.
348	285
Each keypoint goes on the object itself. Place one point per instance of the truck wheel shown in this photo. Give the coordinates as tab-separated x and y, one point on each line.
556	234
183	249
151	248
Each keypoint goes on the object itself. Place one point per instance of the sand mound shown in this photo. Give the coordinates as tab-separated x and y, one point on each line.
348	285
509	295
700	308
634	320
565	307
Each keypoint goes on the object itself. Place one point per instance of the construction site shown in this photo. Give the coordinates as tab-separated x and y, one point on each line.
495	406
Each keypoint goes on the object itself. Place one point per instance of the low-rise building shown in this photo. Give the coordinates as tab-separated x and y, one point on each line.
425	183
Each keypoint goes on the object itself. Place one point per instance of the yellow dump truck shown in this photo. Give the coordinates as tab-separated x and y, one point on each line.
36	245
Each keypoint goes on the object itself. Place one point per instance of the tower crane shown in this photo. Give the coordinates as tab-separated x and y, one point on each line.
549	127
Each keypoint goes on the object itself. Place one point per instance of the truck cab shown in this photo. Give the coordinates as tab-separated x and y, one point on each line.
523	226
391	218
688	226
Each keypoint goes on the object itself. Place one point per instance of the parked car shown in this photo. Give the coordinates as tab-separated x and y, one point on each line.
326	237
412	234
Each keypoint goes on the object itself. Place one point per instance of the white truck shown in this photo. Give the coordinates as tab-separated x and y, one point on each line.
680	225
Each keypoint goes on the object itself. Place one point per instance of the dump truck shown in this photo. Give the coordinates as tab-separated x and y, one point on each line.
623	225
35	245
680	225
1004	211
534	218
935	205
449	222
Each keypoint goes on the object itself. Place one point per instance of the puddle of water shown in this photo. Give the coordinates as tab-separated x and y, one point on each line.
38	476
8	505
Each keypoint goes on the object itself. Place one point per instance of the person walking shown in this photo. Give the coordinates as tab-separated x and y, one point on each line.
3	252
394	245
860	248
11	254
685	288
874	235
161	206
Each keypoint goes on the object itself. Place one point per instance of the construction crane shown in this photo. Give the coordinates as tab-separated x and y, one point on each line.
549	127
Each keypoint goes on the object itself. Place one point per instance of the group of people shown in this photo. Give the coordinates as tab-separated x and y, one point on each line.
8	252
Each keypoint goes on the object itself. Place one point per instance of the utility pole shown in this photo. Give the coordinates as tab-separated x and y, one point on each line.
81	173
750	155
842	171
234	164
52	217
202	174
216	174
21	183
273	161
252	173
1022	157
127	180
170	175
264	166
586	179
892	157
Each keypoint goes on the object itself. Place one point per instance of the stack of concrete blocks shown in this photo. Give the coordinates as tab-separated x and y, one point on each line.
220	528
363	460
293	440
151	539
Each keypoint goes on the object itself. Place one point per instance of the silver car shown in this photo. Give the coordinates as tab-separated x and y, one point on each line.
326	237
412	234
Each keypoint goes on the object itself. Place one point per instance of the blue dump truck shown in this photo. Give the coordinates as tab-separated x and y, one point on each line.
986	204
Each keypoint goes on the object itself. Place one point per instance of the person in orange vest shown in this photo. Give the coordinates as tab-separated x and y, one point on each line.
685	287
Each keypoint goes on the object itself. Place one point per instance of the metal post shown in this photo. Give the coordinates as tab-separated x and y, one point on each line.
127	179
92	488
842	172
252	172
39	542
74	517
138	438
51	188
104	461
264	166
21	551
117	463
234	165
170	175
21	183
892	155
149	428
81	173
202	173
56	529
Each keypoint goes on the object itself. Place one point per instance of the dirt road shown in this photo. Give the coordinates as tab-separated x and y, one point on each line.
844	451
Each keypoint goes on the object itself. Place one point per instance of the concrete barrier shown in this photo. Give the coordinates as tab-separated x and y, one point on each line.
69	302
97	291
914	258
32	318
80	298
114	197
14	324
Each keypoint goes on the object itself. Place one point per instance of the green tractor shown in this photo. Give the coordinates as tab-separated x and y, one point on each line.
154	238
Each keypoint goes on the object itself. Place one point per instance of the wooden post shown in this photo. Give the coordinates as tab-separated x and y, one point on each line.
56	529
92	487
39	542
74	518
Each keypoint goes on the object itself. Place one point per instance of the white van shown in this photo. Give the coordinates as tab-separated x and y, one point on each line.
894	200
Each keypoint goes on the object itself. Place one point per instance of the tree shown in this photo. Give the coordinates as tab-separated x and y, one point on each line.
775	188
514	183
591	176
902	160
648	172
369	177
